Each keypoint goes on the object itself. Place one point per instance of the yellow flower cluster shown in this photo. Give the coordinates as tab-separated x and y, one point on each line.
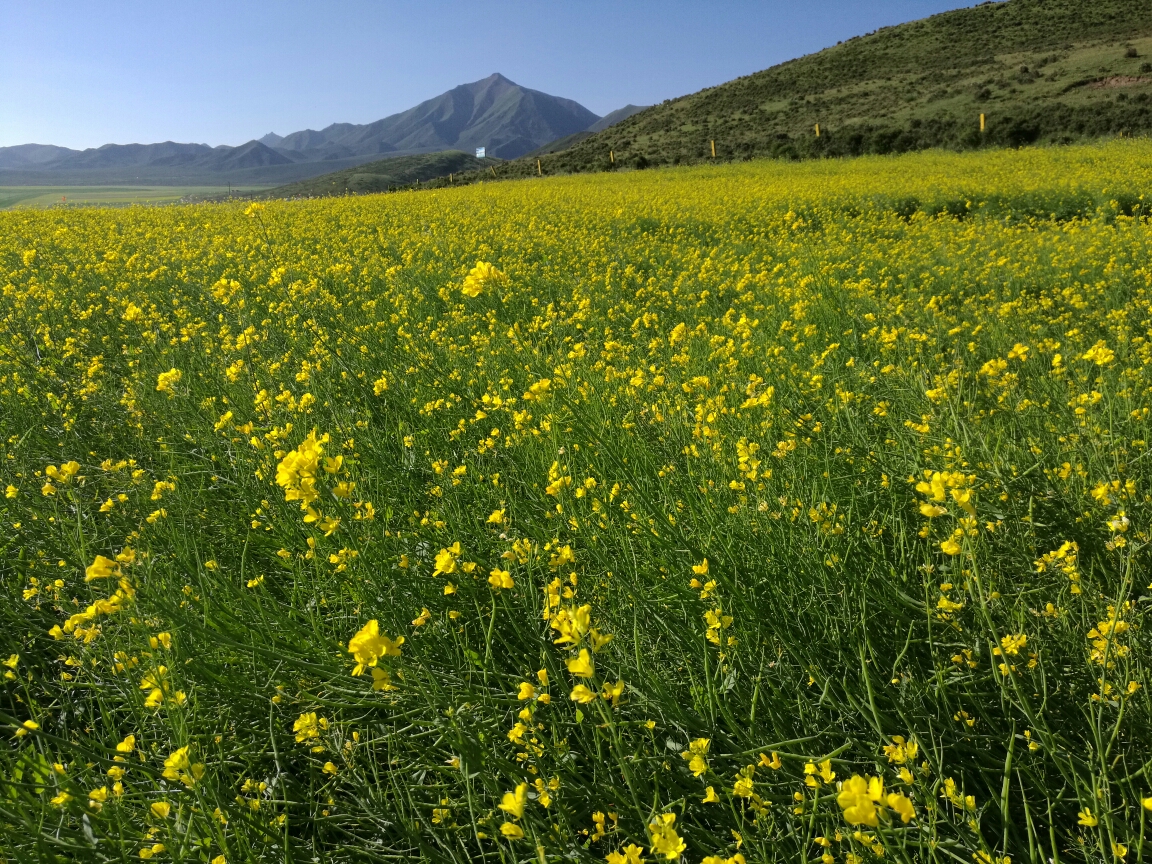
480	277
859	797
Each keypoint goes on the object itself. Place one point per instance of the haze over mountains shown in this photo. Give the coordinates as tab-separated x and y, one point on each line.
495	113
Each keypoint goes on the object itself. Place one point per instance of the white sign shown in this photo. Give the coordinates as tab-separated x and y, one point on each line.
479	152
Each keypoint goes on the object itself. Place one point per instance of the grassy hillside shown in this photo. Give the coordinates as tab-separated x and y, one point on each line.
1051	71
559	144
381	176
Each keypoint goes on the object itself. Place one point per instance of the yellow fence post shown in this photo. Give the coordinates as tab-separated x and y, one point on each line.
612	157
981	122
539	170
713	149
817	130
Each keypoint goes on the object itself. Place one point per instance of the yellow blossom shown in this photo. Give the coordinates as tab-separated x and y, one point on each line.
665	840
26	727
695	754
501	579
582	694
582	665
1012	644
166	381
631	854
902	805
858	797
368	645
950	546
479	278
774	763
513	802
308	726
446	560
102	568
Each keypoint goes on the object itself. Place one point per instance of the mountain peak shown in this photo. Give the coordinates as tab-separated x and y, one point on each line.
495	81
508	120
495	113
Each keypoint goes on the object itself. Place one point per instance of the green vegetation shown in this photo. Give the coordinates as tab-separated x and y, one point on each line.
67	196
559	144
738	514
389	174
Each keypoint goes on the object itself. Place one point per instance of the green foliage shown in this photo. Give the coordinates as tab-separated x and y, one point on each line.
45	196
386	175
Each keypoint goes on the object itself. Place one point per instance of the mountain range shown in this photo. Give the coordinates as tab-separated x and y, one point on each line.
495	113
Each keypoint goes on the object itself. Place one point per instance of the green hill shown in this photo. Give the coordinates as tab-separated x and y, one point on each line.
395	172
559	144
1042	71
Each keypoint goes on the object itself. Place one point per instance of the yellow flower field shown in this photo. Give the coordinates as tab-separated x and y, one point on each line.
758	512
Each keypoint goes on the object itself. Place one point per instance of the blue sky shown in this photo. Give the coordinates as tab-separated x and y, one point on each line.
81	73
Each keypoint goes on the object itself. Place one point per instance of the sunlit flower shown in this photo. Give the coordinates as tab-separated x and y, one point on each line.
665	840
513	802
858	797
582	665
695	754
479	278
166	381
308	726
368	645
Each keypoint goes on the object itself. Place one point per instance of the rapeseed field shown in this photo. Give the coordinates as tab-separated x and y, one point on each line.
760	512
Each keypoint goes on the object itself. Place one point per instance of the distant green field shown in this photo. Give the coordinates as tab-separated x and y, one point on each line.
44	196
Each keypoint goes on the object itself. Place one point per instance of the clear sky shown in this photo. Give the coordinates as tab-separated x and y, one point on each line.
81	73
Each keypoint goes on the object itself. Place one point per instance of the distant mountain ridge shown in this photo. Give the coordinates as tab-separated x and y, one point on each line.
401	171
28	155
495	113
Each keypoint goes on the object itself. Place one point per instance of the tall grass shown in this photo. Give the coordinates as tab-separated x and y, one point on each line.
857	488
